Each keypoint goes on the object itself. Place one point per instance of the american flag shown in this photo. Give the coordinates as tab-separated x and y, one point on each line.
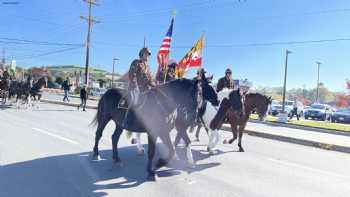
164	51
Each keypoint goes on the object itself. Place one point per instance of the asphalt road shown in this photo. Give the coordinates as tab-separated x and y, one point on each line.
45	152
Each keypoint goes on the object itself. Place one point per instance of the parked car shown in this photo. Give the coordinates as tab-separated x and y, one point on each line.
97	91
53	85
341	115
276	108
319	112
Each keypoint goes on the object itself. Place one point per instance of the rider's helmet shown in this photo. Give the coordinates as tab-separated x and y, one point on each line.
144	50
201	71
172	64
228	71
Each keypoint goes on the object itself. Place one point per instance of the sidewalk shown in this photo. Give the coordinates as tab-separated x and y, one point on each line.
317	139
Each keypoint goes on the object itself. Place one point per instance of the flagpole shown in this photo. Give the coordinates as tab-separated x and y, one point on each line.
166	66
202	37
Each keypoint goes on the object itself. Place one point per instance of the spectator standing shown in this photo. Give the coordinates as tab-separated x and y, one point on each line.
83	97
66	88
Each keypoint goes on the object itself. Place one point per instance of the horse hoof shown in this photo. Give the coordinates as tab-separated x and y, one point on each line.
211	152
96	157
241	150
151	177
196	140
191	164
118	163
141	152
225	141
176	158
133	141
161	163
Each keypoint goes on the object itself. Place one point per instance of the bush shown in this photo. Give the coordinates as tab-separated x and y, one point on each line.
59	80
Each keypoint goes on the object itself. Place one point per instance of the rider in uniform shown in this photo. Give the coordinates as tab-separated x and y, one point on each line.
169	74
226	81
140	79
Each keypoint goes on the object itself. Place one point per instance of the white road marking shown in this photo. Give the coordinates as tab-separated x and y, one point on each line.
55	136
287	163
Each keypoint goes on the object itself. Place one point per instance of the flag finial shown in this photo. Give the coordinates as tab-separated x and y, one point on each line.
173	13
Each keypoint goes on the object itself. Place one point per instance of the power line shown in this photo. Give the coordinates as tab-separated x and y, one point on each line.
35	42
49	53
237	45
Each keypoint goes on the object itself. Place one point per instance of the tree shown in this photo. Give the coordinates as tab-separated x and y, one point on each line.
59	80
342	100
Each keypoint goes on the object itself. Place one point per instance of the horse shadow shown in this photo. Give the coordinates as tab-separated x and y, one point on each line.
5	106
78	175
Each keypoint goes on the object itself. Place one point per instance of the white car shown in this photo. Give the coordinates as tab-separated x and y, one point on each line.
276	108
97	91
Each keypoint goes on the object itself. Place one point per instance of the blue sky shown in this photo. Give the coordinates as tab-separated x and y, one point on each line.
125	23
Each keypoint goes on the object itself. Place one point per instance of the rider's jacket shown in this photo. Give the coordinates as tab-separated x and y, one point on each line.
224	83
140	76
169	75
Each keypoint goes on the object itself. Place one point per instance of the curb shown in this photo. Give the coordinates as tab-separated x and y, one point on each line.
325	146
66	104
293	126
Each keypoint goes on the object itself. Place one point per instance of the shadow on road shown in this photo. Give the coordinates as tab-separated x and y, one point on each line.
78	175
5	106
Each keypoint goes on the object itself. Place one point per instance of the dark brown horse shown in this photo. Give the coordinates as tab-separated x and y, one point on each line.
153	115
4	89
252	101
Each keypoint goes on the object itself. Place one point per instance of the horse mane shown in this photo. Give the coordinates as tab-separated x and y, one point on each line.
180	89
257	94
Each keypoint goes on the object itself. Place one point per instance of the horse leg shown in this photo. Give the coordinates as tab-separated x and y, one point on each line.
38	101
177	139
213	140
182	131
164	135
115	139
140	149
100	127
234	132
151	152
233	120
241	128
197	132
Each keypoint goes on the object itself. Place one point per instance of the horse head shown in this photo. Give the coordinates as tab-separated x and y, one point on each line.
42	82
261	104
209	93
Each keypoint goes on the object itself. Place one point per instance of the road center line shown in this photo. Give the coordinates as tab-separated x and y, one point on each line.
287	163
55	136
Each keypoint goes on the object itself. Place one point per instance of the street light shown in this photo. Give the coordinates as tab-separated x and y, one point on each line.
283	116
318	80
114	59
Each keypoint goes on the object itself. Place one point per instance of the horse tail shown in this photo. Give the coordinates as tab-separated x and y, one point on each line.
99	112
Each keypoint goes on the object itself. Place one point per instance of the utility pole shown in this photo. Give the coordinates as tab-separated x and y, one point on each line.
318	81
90	19
285	81
114	59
